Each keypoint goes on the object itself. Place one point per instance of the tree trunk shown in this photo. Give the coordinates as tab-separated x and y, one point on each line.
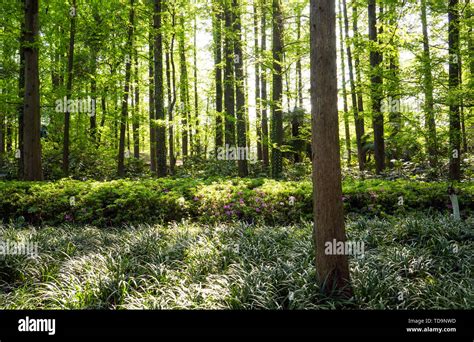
197	137
344	91
126	91
376	91
454	115
183	91
258	104
151	104
264	104
332	270
277	110
358	119
430	124
136	112
159	104
217	22
240	92
67	114
229	90
32	117
21	96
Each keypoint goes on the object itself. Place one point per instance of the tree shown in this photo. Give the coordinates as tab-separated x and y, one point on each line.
376	90
31	118
229	89
258	93
277	104
126	91
344	90
332	270
454	115
264	99
70	65
217	29
430	124
159	101
240	92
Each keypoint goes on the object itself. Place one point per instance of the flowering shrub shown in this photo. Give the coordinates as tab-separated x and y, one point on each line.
122	202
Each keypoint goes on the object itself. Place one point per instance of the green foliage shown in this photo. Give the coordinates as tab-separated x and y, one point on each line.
238	266
119	202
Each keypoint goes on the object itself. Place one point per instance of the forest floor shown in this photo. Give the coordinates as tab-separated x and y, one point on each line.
418	261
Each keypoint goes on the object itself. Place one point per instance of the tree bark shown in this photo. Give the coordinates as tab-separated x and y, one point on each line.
430	124
124	114
454	114
229	83
332	270
161	168
32	117
67	114
376	90
277	105
264	101
240	92
258	93
217	22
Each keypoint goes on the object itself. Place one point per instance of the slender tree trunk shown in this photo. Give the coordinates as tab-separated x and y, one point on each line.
92	116
376	90
240	93
151	104
183	91
136	111
358	119
296	123
277	105
454	115
126	91
159	101
197	138
229	90
332	270
264	101
21	96
258	104
217	22
430	124
67	115
344	91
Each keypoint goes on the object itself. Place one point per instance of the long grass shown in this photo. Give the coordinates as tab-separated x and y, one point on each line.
413	262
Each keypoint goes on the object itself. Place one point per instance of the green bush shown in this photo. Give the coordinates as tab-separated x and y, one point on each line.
121	202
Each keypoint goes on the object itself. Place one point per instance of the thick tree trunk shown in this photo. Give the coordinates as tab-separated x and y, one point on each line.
21	96
332	270
277	104
376	91
32	118
454	115
126	91
197	138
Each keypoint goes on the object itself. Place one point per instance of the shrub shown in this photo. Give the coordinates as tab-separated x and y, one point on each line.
120	202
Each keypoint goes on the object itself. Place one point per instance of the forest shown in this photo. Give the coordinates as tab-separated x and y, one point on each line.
236	154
